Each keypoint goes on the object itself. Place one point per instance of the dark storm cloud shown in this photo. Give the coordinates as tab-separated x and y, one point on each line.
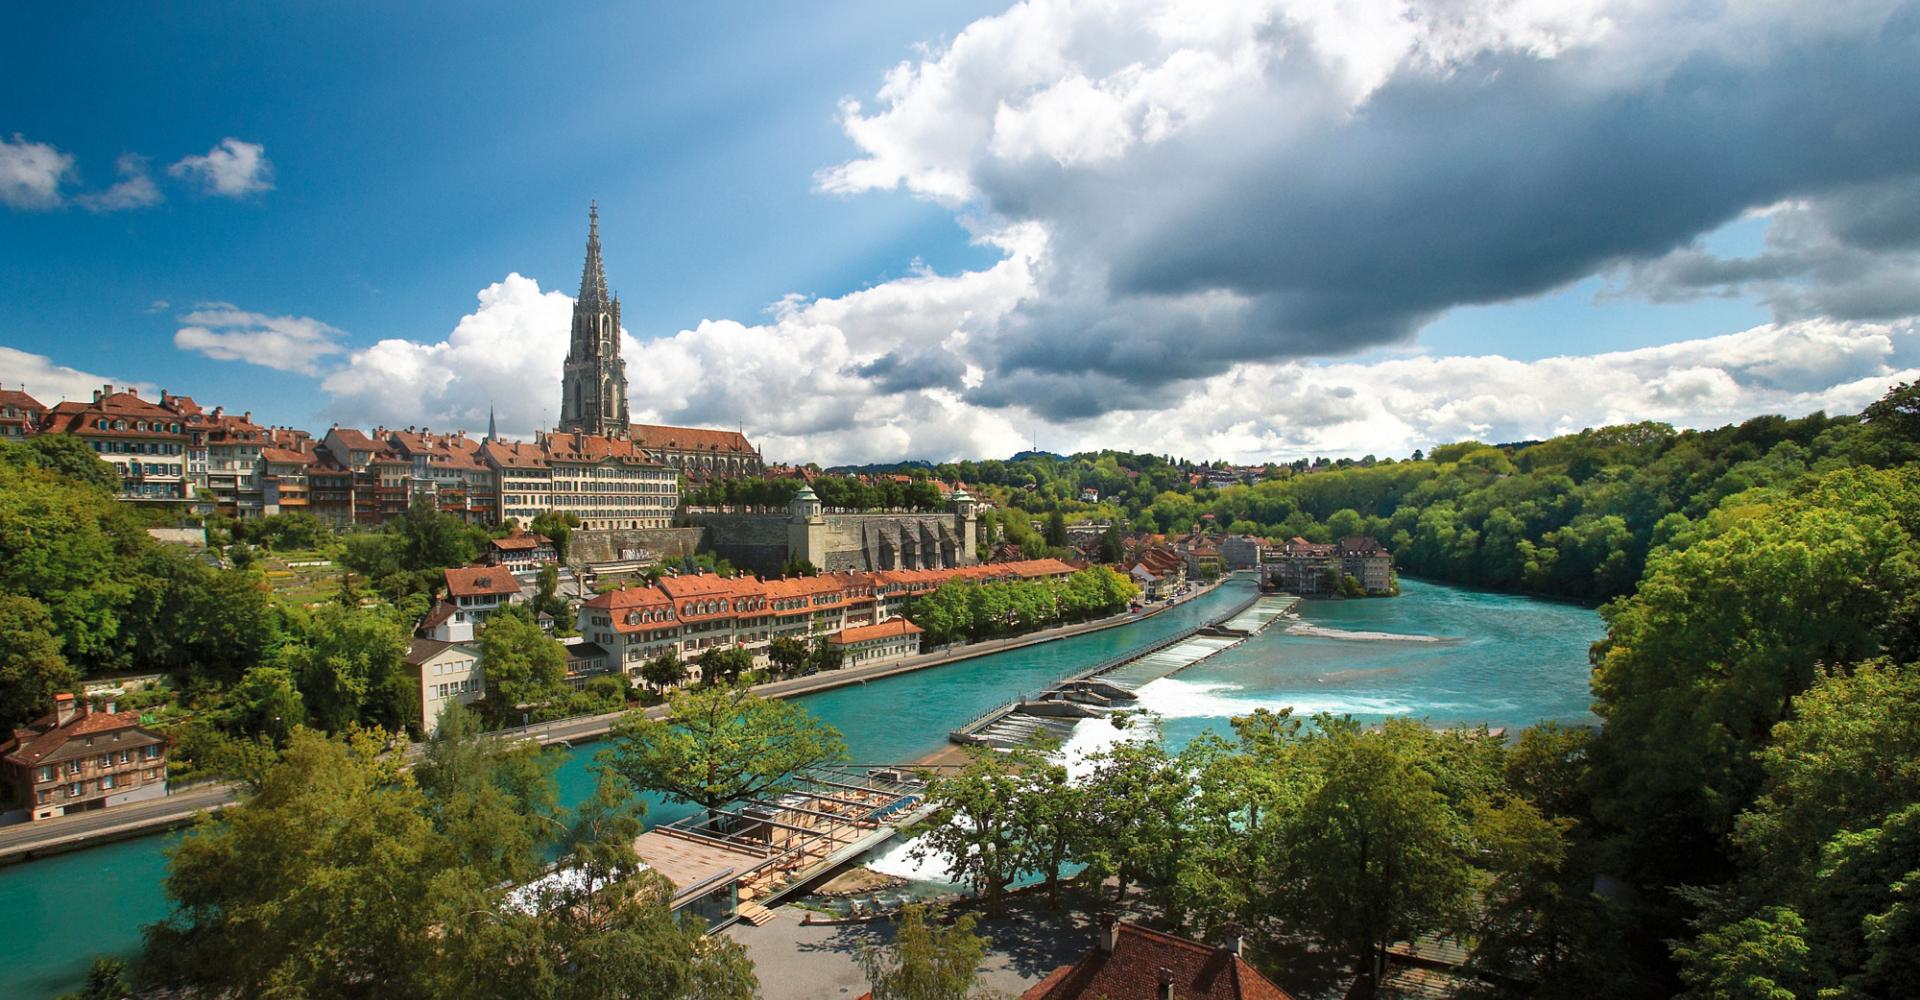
1853	254
906	369
1247	239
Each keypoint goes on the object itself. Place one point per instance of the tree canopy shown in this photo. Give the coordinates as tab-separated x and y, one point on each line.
719	745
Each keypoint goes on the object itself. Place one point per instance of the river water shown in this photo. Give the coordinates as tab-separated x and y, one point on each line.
1440	653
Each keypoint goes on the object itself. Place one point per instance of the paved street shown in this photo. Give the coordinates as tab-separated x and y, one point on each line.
105	823
808	962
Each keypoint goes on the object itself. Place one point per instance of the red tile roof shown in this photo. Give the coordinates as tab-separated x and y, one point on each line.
20	399
889	629
480	581
659	437
41	739
520	542
1132	972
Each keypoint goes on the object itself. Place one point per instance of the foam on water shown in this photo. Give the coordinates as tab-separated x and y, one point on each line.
1323	632
1173	698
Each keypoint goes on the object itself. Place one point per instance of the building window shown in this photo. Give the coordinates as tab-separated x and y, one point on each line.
74	790
106	782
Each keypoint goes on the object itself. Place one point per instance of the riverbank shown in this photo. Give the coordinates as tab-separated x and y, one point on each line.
25	842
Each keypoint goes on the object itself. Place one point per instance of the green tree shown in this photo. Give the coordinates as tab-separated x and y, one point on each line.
321	884
1720	638
664	671
547	595
1056	528
788	655
351	668
67	455
1833	840
431	540
1377	853
825	656
267	703
926	961
1763	957
523	665
976	825
557	525
32	669
720	745
723	665
106	980
1113	543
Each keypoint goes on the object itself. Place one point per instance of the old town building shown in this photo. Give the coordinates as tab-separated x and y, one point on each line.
78	759
609	482
690	614
20	414
144	442
698	453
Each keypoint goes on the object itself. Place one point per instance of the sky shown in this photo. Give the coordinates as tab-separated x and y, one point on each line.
878	231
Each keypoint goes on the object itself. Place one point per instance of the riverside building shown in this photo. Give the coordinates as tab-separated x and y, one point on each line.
690	614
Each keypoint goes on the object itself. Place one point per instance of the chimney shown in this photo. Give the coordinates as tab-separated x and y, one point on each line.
63	708
1109	923
1235	936
1166	983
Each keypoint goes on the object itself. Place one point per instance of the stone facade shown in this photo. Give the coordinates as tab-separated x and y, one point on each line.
861	541
593	383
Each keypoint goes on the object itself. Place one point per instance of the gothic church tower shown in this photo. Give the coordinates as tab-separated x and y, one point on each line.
593	386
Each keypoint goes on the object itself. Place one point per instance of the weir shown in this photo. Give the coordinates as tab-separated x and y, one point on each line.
1110	685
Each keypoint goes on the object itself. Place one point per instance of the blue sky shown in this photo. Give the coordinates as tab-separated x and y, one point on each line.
1145	224
420	152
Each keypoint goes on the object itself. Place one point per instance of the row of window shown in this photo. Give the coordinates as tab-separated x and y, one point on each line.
49	772
448	690
106	783
136	448
156	426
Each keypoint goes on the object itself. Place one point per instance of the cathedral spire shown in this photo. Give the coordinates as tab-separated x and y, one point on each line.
493	431
593	277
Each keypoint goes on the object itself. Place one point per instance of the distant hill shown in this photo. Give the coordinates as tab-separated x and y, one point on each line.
877	468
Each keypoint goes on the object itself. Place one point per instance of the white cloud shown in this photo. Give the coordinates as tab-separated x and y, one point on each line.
134	190
232	169
1260	181
49	382
795	383
31	174
228	333
507	354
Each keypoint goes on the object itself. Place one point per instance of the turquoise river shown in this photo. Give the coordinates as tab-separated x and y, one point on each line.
1440	653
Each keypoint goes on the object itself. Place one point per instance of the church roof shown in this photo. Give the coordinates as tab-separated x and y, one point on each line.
660	437
593	274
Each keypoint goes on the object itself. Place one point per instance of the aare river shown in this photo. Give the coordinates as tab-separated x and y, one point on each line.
1440	653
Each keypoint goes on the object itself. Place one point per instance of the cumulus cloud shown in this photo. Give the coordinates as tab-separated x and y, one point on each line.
226	332
135	189
49	382
1265	180
807	387
31	174
231	169
506	354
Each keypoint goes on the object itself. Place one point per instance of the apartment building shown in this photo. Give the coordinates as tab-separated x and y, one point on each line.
78	759
145	442
690	614
20	414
